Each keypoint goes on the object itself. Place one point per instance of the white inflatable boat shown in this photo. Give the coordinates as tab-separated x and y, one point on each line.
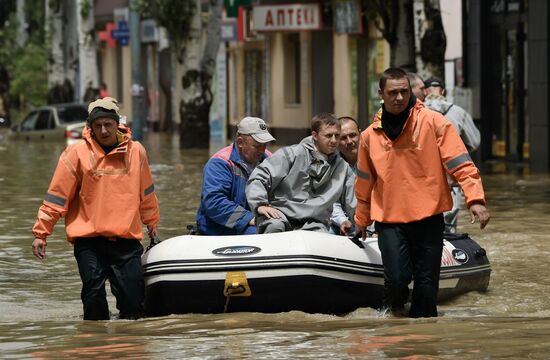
298	270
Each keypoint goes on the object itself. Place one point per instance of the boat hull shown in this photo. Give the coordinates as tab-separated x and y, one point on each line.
299	270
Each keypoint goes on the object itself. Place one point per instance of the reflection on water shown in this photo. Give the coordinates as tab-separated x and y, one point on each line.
40	309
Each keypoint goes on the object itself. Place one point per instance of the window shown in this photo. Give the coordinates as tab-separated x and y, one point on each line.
30	120
44	121
72	114
292	68
253	82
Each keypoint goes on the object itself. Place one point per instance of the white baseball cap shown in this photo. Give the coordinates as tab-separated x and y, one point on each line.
256	128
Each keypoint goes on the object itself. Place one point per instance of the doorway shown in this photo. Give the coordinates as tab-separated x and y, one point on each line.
506	98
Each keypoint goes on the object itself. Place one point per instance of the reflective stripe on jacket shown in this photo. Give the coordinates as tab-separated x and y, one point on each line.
404	180
223	208
100	194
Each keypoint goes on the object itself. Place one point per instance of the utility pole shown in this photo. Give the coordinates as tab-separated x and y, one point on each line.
137	88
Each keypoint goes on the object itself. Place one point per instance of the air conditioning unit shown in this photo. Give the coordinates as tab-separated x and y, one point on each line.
149	31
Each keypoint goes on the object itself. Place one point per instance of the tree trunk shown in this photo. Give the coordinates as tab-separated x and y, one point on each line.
22	34
433	42
166	83
208	63
402	49
6	9
70	48
197	79
87	56
57	93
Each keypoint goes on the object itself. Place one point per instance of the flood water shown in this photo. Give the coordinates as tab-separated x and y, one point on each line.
41	312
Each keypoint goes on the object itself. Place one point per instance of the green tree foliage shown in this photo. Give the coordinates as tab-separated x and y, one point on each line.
26	67
29	75
7	7
8	24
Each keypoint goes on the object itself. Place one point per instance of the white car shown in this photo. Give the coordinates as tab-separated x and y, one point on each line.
59	122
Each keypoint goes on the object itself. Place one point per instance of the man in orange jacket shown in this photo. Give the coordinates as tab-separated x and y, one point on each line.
403	159
104	189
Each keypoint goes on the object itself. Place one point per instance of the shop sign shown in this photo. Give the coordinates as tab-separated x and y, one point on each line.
121	33
289	17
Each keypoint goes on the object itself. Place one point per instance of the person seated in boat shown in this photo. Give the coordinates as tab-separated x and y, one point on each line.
297	187
223	208
340	221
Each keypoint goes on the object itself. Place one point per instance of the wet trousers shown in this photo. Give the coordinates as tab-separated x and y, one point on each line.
119	261
412	251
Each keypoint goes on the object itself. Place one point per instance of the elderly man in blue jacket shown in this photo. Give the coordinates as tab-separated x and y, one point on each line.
223	208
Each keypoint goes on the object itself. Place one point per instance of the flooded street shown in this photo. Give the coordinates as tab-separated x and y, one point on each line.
41	312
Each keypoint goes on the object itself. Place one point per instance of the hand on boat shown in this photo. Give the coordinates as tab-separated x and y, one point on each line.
152	232
479	211
39	248
361	231
345	227
268	212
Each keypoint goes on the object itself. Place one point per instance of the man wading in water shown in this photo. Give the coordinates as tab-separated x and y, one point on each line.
104	189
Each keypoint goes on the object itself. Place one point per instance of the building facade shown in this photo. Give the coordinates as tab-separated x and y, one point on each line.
295	60
506	67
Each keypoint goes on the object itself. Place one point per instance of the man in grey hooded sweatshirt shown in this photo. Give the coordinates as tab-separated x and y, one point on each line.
464	125
297	186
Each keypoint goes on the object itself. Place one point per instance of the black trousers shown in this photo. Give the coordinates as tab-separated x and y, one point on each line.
412	250
119	261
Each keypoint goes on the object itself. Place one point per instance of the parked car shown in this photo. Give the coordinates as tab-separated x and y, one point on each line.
59	122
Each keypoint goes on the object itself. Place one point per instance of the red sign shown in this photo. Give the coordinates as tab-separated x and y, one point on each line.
105	35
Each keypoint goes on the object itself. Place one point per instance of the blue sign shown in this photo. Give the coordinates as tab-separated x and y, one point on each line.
121	33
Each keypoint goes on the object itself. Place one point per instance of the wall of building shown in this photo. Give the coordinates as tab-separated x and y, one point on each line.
481	35
109	75
472	70
538	80
284	117
451	15
344	101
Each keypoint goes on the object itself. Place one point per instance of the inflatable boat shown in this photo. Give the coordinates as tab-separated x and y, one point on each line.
297	270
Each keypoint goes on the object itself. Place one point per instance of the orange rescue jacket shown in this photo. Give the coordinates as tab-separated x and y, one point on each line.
404	180
100	194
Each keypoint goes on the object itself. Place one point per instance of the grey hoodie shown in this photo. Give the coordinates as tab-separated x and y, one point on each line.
459	117
302	183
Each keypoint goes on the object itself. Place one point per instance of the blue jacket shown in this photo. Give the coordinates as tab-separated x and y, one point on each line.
223	209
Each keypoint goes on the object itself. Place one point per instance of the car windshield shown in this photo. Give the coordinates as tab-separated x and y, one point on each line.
72	114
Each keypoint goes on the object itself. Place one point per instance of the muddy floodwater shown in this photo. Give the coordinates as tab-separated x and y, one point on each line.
41	312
